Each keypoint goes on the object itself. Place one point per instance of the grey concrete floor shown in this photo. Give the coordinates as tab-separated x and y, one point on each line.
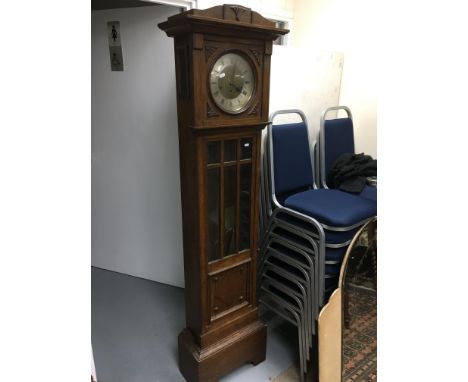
135	324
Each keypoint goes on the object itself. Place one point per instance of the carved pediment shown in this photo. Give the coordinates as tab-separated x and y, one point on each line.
228	14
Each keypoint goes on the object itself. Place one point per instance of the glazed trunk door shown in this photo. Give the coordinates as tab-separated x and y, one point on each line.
229	170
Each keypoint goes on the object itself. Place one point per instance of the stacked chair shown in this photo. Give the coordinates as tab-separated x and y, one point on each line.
304	231
336	137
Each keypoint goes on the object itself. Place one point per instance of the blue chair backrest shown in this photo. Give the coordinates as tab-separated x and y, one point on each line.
292	162
339	139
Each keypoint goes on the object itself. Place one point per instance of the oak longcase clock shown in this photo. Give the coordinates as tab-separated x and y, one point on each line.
222	59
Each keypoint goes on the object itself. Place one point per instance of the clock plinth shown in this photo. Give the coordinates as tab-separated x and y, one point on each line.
247	345
222	59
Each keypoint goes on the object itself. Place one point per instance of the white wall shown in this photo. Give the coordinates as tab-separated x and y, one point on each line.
136	209
309	81
349	27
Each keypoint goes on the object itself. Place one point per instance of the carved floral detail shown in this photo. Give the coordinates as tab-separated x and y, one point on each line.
254	110
238	11
209	50
256	54
210	112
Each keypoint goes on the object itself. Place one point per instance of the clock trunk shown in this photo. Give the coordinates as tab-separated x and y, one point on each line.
219	172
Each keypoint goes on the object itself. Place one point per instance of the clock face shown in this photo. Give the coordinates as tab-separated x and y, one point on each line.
232	83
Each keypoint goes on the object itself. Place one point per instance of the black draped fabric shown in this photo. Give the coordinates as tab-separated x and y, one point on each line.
349	172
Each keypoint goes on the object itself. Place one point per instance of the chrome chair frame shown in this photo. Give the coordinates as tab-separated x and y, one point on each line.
306	272
307	280
300	309
306	248
295	321
311	262
274	207
286	275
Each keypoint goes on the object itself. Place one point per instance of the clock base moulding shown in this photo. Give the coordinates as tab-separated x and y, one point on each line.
247	345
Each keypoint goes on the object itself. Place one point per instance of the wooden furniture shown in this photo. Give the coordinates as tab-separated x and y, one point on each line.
348	323
222	60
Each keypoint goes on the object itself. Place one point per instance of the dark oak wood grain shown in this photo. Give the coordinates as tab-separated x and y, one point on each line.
220	193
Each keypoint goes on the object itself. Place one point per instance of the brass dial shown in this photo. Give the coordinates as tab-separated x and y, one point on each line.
232	83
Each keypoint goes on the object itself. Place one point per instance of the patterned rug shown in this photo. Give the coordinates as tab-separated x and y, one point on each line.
360	338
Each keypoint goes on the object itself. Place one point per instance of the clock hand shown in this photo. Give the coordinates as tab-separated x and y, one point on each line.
233	71
238	89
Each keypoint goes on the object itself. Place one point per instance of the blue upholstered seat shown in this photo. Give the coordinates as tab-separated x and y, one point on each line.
332	269
331	283
292	163
369	192
332	207
339	139
315	224
335	254
294	181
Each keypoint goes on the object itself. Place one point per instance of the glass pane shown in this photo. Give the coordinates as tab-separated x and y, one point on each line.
230	150
213	213
246	148
244	208
230	203
212	152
